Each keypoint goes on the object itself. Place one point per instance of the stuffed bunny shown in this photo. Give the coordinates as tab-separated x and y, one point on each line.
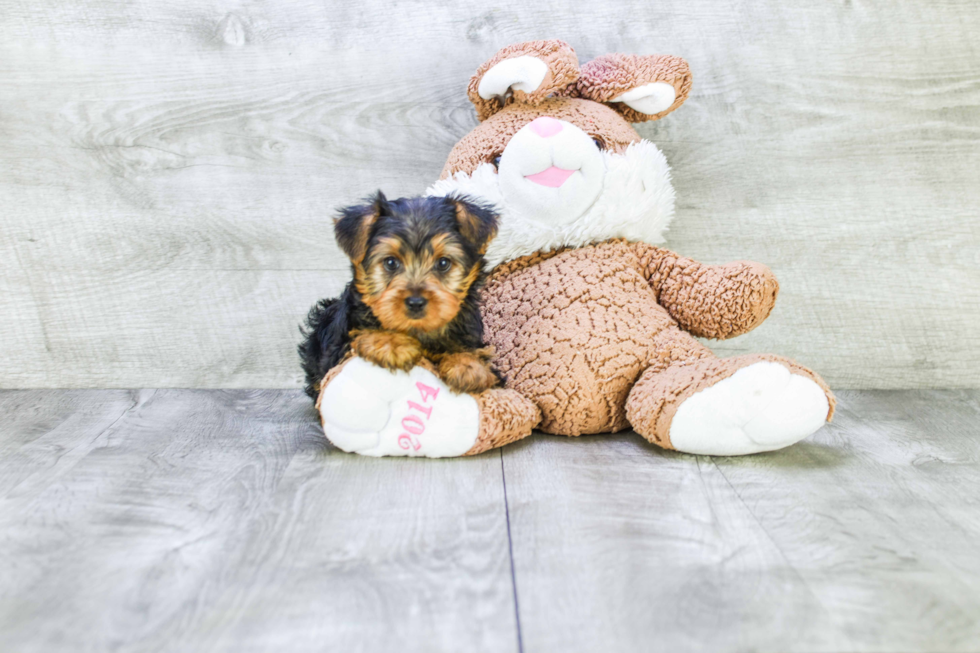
593	325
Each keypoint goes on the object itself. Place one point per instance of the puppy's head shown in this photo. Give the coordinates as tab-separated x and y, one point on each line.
415	259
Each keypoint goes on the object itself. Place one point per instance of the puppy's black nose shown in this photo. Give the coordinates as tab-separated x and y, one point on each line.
415	303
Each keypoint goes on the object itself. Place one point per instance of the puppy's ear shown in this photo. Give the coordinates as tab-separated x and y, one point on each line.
477	222
352	227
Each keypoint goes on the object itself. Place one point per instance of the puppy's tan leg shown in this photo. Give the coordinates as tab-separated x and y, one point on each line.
388	349
467	371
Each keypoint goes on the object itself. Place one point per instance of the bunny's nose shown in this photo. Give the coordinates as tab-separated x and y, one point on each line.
545	127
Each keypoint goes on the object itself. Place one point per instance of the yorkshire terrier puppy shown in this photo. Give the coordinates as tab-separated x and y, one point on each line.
418	267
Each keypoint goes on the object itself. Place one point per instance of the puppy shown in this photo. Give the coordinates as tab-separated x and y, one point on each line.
418	266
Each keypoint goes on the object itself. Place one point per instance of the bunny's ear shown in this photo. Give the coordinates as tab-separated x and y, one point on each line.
639	87
527	72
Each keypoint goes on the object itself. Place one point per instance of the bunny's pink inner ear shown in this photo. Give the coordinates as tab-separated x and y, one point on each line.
639	87
524	72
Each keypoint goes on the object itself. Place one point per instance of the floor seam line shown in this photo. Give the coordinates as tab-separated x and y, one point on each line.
510	553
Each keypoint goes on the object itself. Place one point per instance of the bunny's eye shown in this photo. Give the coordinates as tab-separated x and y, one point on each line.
598	143
495	161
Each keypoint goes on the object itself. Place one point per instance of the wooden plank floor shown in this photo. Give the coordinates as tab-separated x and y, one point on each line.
190	520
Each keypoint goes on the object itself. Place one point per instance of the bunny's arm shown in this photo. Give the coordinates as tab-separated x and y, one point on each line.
709	301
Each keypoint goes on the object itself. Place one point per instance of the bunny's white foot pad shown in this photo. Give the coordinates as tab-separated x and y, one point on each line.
761	407
368	410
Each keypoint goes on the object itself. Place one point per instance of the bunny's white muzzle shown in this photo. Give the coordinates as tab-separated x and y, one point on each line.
552	170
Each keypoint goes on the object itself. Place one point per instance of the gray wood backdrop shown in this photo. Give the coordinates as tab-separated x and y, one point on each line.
168	170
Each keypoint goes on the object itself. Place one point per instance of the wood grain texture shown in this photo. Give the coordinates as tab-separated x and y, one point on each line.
180	520
197	520
169	169
861	538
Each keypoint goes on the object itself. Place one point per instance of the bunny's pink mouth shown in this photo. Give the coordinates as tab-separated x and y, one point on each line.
552	177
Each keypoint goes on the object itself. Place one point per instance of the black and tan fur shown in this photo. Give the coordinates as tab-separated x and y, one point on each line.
418	266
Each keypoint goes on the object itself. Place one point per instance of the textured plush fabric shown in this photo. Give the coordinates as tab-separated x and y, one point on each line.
610	75
596	333
710	301
636	202
325	381
505	416
562	72
490	137
661	390
574	329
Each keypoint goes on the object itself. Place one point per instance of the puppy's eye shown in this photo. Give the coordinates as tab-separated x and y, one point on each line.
391	264
598	143
496	161
443	264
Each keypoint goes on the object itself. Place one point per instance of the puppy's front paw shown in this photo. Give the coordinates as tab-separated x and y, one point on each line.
388	349
467	372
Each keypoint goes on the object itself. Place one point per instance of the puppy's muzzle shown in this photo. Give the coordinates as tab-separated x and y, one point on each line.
415	305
